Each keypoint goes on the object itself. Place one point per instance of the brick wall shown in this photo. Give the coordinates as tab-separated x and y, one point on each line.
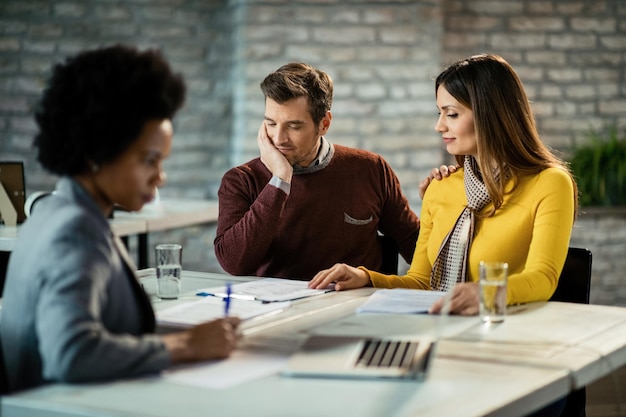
603	231
196	36
382	55
569	54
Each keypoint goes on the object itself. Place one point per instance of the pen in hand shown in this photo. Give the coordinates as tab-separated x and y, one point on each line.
227	299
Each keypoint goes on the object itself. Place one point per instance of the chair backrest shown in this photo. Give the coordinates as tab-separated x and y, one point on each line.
390	255
4	380
4	264
575	280
574	287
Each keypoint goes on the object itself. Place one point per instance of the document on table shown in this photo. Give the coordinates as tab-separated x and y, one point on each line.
400	301
210	308
267	290
242	366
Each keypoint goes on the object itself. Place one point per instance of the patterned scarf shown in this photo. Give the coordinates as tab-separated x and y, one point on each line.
451	262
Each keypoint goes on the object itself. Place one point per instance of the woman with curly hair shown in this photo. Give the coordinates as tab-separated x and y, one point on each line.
73	310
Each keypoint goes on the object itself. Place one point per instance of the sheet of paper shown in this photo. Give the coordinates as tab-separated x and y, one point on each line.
240	367
267	290
210	308
400	301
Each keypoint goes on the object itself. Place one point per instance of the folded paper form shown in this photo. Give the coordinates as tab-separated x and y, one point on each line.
400	301
211	308
267	290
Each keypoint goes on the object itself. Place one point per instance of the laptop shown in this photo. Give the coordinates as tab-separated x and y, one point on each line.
362	357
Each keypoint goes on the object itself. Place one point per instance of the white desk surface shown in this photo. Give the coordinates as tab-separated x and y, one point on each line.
8	236
170	215
454	388
128	226
537	355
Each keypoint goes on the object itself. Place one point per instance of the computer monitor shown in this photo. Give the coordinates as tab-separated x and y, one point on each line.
12	179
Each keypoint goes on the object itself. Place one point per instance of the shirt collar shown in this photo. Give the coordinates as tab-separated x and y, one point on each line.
324	155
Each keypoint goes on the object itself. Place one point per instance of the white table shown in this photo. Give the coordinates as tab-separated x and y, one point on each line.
8	236
124	226
540	353
169	214
172	214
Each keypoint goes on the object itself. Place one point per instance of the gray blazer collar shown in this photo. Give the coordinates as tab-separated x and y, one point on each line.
70	189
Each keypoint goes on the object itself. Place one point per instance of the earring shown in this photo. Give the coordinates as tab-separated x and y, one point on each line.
95	168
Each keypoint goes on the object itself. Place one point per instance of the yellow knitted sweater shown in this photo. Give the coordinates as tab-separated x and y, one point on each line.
530	231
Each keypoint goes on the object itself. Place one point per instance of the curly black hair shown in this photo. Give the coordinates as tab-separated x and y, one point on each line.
97	103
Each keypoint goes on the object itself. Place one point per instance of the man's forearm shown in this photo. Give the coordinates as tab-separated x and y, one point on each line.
242	242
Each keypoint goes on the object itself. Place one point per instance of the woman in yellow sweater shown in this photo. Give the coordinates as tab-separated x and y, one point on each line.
511	201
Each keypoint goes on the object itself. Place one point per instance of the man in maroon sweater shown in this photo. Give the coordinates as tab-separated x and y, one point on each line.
305	203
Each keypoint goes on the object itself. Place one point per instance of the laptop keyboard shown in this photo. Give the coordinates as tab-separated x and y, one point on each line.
386	353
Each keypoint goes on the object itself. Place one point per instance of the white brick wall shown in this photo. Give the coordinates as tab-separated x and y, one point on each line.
604	233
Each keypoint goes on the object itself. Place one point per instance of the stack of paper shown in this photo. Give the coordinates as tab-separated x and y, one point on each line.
400	301
211	308
267	290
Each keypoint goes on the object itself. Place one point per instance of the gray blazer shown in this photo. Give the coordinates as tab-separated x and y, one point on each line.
72	309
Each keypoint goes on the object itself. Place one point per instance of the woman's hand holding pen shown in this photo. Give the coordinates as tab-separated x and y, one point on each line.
211	340
215	339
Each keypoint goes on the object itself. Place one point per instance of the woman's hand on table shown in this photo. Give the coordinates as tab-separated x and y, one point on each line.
463	299
344	276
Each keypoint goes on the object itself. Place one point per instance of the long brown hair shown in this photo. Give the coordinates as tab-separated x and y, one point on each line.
507	140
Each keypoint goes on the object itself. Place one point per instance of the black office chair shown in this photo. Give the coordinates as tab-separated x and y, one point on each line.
574	287
4	263
575	282
390	255
4	380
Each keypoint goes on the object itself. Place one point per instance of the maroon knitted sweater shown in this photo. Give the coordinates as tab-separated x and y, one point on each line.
331	215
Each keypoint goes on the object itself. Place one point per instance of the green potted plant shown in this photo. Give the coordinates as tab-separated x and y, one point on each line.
599	166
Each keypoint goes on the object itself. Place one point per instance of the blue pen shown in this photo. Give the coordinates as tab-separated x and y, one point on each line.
227	299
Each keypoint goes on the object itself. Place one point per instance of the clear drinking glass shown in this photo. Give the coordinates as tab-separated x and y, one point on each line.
168	267
493	281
